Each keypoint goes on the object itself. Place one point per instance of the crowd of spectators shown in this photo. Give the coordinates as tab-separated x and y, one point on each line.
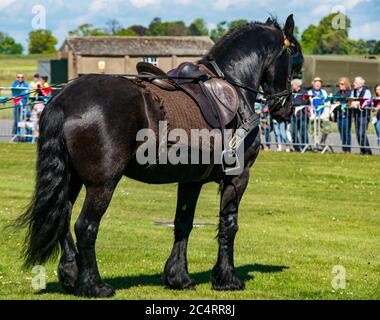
29	100
315	110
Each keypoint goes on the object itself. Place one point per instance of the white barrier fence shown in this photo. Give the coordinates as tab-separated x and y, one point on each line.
19	117
333	130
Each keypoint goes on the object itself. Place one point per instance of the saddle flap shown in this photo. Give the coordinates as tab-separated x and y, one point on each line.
225	94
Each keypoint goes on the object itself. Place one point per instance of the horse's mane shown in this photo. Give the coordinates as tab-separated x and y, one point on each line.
236	32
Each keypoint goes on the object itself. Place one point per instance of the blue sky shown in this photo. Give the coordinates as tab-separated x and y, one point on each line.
17	16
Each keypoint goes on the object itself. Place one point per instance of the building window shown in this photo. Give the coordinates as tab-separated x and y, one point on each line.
152	60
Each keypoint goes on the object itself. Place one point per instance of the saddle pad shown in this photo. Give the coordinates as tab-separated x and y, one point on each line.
180	111
224	95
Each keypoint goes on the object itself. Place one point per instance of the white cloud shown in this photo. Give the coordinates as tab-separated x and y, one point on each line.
325	7
224	4
183	2
349	4
144	3
6	3
369	30
98	5
112	6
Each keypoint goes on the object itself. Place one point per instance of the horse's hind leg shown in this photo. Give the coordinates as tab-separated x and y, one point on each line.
68	268
176	275
89	283
223	274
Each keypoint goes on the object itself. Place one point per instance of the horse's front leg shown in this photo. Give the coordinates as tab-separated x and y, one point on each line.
223	274
176	275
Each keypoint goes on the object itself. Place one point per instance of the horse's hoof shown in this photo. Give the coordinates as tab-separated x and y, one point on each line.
99	290
226	282
235	285
184	283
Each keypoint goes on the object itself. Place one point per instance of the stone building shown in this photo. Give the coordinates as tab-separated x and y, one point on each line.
119	55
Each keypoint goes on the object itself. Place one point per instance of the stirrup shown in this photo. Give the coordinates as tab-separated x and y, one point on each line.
229	166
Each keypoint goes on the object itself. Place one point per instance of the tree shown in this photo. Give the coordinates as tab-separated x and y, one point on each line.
176	28
138	30
86	30
376	49
309	39
373	46
114	27
42	42
8	45
334	40
156	28
334	43
198	28
324	39
219	32
235	23
169	28
125	32
358	47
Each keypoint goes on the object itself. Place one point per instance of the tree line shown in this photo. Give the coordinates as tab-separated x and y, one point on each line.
316	39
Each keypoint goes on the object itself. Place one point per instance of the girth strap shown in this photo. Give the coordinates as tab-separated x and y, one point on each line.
246	134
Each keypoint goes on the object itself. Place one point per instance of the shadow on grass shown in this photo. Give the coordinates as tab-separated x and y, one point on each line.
156	279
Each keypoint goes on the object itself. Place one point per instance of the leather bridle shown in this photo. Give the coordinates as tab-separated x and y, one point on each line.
278	97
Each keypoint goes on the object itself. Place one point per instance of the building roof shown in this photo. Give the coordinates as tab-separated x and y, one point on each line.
139	46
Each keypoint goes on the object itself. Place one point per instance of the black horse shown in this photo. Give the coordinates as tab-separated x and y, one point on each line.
88	137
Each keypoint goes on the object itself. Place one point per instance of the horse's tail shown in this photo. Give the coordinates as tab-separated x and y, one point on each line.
47	216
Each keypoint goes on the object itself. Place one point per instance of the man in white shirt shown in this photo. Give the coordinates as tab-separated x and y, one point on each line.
362	116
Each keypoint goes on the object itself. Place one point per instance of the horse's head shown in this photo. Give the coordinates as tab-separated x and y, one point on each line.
260	54
283	62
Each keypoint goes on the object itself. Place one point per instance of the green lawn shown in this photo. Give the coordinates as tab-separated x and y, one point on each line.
301	216
11	65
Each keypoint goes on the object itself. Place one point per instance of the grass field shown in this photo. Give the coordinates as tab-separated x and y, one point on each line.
11	65
301	216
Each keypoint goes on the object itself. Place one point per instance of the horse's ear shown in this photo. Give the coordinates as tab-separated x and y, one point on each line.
289	27
269	21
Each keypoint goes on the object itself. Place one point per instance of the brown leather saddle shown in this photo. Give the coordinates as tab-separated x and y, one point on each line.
217	99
